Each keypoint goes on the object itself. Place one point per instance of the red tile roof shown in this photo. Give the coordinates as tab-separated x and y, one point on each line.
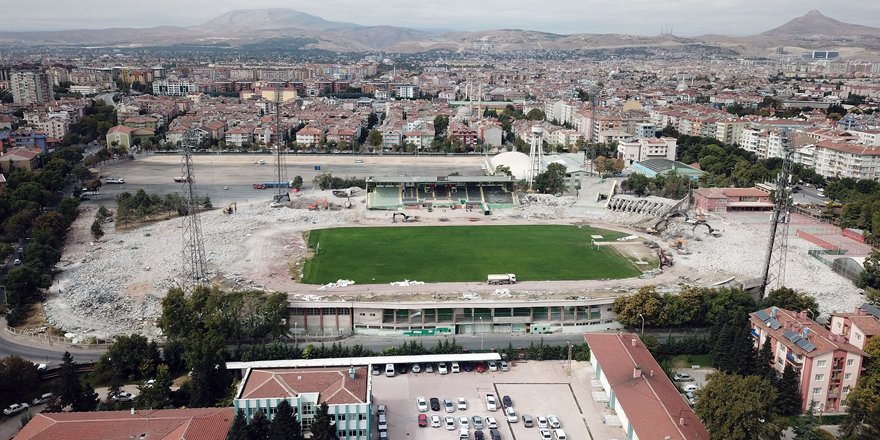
652	403
333	384
818	335
166	424
859	150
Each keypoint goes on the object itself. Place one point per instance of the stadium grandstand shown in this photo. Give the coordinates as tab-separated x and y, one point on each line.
469	192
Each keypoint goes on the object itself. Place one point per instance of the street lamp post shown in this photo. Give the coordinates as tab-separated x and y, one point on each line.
481	333
295	324
643	323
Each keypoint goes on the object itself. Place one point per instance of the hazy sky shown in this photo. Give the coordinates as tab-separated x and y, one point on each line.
644	17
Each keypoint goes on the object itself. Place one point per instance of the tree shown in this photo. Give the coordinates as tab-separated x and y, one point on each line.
440	124
503	169
205	357
870	277
808	428
551	181
788	397
284	425
536	114
646	302
97	230
736	407
156	395
81	397
764	361
637	183
608	166
297	182
790	299
375	138
18	378
258	429
734	351
322	428
239	428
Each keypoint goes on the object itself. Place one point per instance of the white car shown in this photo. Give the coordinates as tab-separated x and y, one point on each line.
491	403
435	421
462	404
690	388
123	397
493	366
447	403
441	368
683	377
463	423
542	422
545	434
423	404
416	368
15	408
511	414
491	423
449	421
554	422
117	180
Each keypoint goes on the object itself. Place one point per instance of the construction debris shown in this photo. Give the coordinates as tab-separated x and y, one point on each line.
337	283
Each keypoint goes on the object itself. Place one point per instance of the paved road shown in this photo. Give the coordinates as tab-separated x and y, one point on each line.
40	352
808	196
107	98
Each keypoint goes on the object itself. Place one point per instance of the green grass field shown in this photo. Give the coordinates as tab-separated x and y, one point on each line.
462	253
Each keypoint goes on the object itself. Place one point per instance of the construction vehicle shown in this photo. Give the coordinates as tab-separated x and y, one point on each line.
665	258
406	218
680	245
231	208
321	204
504	278
345	193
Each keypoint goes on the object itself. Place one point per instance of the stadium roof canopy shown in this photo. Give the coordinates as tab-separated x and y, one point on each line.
441	179
369	360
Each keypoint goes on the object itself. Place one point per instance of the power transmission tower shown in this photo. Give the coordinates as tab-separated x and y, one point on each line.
777	247
194	265
281	191
591	150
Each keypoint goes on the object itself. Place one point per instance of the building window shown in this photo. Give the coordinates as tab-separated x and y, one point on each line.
847	376
821	364
817	390
858	336
849	362
819	377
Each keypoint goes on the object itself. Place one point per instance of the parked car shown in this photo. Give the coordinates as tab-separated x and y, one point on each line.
389	370
542	422
504	366
691	387
375	369
480	367
123	396
435	421
416	368
683	377
463	434
423	420
383	423
435	404
456	368
506	402
42	399
441	368
117	180
422	404
449	422
511	414
467	366
15	408
491	423
528	421
491	404
462	404
381	409
463	423
478	435
494	434
560	434
493	366
429	368
478	422
401	368
545	434
450	407
16	262
554	422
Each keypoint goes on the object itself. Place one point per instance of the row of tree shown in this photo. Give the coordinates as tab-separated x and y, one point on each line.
142	206
285	425
328	181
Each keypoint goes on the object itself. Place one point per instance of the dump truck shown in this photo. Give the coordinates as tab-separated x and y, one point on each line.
504	278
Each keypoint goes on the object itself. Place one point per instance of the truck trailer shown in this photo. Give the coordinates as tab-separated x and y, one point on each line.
264	185
504	278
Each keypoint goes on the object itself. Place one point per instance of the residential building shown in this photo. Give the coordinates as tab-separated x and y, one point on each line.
609	136
857	327
169	87
644	130
141	122
642	149
238	136
20	159
827	364
835	159
406	91
165	424
346	391
310	136
29	139
30	87
466	135
121	135
53	127
731	199
647	403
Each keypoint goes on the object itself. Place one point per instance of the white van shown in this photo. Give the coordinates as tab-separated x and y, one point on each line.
456	368
389	370
560	434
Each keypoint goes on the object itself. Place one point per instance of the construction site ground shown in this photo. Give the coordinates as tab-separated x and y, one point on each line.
115	285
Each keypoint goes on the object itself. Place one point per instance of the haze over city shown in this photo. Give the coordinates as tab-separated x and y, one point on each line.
641	17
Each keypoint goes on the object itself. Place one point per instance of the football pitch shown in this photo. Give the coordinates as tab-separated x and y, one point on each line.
462	253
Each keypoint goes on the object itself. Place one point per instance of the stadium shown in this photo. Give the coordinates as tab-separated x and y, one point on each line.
470	192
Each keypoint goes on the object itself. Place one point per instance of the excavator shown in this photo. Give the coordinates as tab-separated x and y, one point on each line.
406	218
231	208
321	204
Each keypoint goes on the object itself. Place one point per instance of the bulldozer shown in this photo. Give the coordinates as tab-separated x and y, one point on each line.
665	258
231	208
321	204
406	218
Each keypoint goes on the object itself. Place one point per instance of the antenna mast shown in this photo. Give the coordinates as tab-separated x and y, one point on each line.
777	247
194	261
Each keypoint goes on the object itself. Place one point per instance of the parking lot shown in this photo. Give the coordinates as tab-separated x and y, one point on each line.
535	388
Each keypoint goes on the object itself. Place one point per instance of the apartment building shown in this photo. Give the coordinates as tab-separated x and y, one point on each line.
835	159
647	148
867	136
857	327
30	87
764	143
828	365
310	136
170	87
